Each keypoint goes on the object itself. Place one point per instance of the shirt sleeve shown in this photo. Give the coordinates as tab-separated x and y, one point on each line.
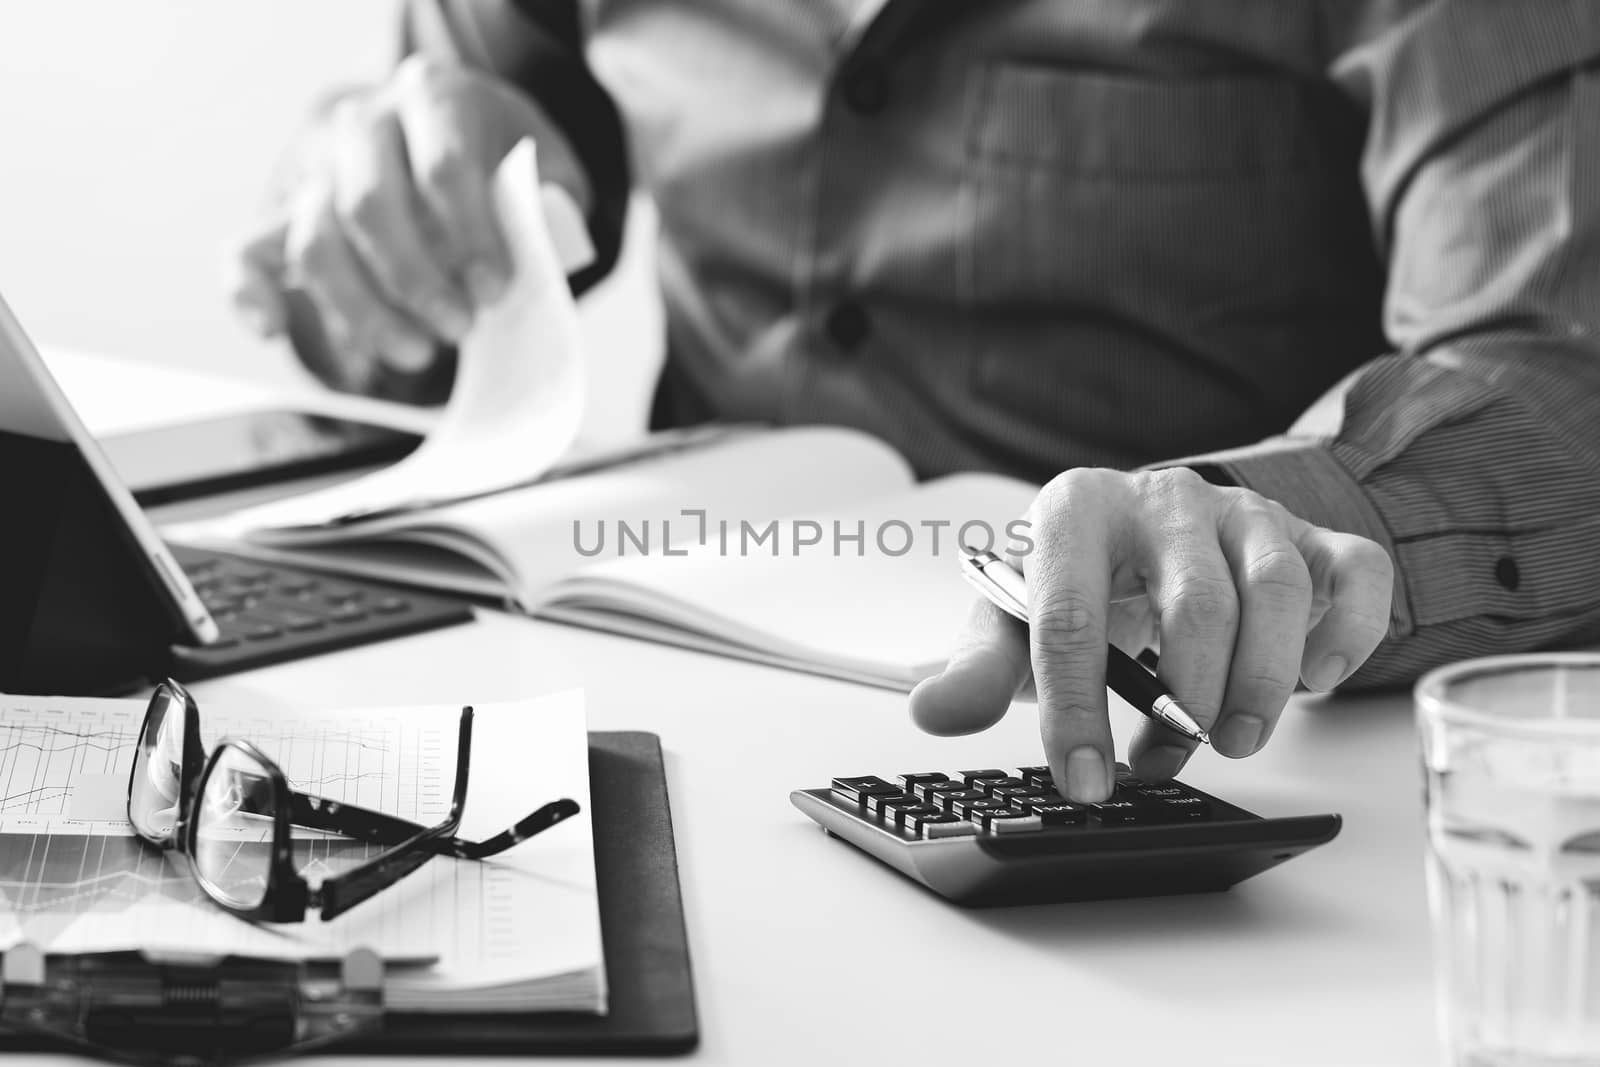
1472	453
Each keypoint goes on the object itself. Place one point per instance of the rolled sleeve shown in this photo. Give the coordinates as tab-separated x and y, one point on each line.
1472	454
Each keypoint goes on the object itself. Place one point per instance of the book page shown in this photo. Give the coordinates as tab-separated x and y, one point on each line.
889	606
517	400
74	877
528	538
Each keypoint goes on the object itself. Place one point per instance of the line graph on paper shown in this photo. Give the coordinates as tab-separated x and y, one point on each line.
74	878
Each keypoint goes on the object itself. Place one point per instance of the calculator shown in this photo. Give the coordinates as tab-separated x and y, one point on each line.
1005	836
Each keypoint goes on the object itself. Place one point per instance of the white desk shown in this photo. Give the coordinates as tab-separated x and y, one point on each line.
806	951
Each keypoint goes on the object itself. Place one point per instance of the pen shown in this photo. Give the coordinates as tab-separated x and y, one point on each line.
1000	583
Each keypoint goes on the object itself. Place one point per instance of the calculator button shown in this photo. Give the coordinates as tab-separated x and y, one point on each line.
1179	802
1013	793
973	777
1006	821
1123	810
890	809
989	785
913	820
953	828
970	809
858	789
912	782
1057	812
1038	777
934	790
947	801
874	802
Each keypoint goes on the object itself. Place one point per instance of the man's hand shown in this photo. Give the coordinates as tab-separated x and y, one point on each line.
1243	597
387	222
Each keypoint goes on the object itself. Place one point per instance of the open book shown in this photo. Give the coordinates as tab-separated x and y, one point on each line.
809	548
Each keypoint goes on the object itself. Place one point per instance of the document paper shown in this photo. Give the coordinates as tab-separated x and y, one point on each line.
517	931
518	396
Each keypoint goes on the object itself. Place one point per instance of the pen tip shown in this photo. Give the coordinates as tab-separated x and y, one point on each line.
1203	737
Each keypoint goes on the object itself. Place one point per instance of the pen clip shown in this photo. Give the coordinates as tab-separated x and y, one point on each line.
972	570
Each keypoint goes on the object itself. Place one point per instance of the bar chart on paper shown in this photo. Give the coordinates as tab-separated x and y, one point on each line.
74	878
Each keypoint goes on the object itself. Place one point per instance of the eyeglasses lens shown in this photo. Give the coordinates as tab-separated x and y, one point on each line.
234	820
157	769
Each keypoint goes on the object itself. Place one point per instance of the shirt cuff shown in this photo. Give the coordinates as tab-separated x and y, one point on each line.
1305	478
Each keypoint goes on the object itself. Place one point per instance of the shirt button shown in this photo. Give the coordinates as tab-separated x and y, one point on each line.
1507	573
866	89
847	325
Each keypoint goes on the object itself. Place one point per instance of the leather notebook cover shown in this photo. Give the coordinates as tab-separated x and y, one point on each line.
652	1010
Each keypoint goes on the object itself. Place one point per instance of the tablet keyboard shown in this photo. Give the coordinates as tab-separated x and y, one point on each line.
1006	836
269	613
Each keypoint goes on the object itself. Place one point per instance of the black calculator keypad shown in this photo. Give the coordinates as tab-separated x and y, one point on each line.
931	804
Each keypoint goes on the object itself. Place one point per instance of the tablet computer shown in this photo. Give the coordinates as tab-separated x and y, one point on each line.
49	453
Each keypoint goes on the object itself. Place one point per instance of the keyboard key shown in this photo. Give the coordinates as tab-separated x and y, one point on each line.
1038	777
1012	793
891	809
947	801
1056	812
298	586
347	613
969	809
262	632
973	777
920	778
391	605
906	818
932	791
860	788
989	785
1179	802
1122	810
874	802
1006	821
934	825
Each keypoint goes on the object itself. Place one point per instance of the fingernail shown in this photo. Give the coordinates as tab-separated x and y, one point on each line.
450	320
1327	674
485	284
1162	762
407	352
1087	782
1238	735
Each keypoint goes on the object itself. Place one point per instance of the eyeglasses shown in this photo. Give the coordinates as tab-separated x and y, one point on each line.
230	816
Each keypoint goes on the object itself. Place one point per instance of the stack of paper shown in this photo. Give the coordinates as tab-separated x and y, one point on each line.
517	932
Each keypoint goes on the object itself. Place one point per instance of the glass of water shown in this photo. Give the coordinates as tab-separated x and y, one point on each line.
1511	754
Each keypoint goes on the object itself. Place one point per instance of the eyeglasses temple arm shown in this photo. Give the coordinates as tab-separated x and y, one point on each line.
351	820
344	891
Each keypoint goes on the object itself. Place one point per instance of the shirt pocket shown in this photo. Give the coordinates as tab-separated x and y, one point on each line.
1146	247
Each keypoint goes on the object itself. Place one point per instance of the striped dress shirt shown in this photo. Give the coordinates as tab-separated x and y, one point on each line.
1027	235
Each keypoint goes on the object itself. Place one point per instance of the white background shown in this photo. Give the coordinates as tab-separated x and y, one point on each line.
135	137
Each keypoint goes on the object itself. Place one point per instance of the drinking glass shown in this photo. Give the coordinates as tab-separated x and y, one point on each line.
1511	756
